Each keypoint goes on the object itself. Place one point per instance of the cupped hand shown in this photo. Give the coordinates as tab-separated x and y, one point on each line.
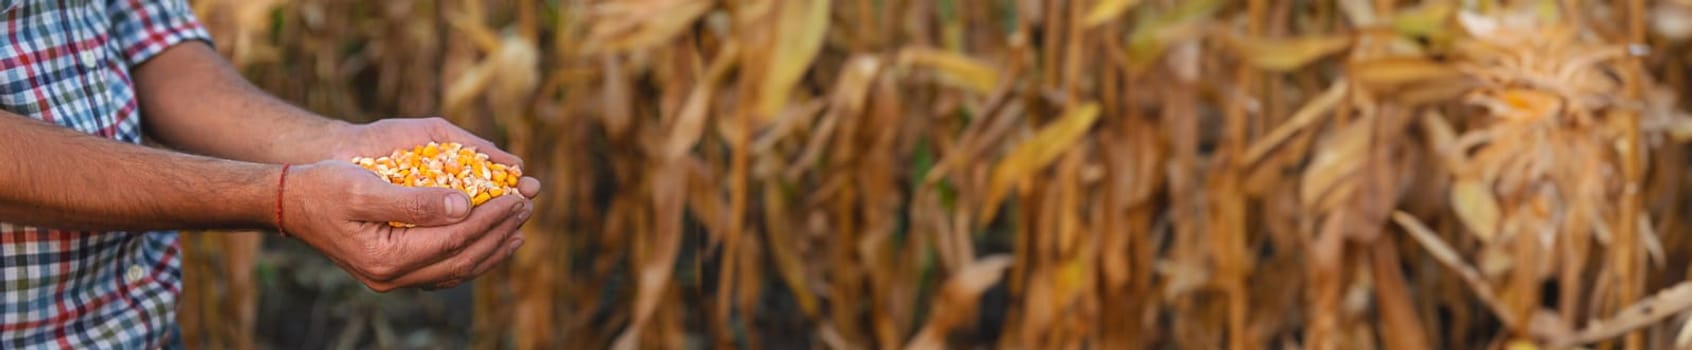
382	137
342	210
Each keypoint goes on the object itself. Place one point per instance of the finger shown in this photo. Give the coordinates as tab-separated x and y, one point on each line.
423	246
529	186
488	263
504	253
421	206
481	256
452	133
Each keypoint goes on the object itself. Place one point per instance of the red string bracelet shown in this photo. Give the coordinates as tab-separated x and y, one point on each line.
281	183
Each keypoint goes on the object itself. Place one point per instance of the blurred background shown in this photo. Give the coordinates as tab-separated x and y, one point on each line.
1116	174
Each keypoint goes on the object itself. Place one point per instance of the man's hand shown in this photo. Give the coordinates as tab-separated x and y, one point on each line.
342	210
197	102
451	244
384	136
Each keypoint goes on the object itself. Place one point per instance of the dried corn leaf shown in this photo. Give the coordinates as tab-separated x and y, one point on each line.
1105	11
617	97
958	297
516	72
1401	327
853	88
1387	73
1472	200
1285	55
1449	257
789	263
1442	140
641	24
690	123
475	29
1649	241
1361	13
242	39
956	68
1036	153
1488	28
1310	114
1154	31
798	37
1680	129
669	192
1431	21
468	86
1668	302
1341	156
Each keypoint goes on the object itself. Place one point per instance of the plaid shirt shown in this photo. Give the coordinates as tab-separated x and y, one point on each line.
68	62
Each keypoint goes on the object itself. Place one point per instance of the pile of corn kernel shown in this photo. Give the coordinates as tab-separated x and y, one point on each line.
449	165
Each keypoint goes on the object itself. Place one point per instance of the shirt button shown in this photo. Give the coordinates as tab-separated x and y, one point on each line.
134	274
90	59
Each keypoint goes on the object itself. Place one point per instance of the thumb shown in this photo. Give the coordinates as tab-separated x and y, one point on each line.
421	206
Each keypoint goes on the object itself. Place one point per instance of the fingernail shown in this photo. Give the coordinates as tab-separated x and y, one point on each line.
456	207
515	243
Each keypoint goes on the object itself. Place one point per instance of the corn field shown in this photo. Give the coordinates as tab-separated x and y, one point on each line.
1026	174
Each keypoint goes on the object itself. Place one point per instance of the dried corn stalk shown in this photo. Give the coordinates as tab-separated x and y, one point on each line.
1143	173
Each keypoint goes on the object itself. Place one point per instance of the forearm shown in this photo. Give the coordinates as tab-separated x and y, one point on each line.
59	178
195	101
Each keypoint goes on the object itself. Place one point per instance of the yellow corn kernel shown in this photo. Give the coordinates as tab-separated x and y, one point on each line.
432	150
479	199
496	192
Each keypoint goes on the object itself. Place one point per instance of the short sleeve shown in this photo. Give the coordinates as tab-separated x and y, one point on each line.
144	28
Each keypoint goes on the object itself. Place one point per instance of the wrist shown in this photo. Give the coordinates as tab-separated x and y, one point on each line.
268	190
280	219
231	195
339	137
315	144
